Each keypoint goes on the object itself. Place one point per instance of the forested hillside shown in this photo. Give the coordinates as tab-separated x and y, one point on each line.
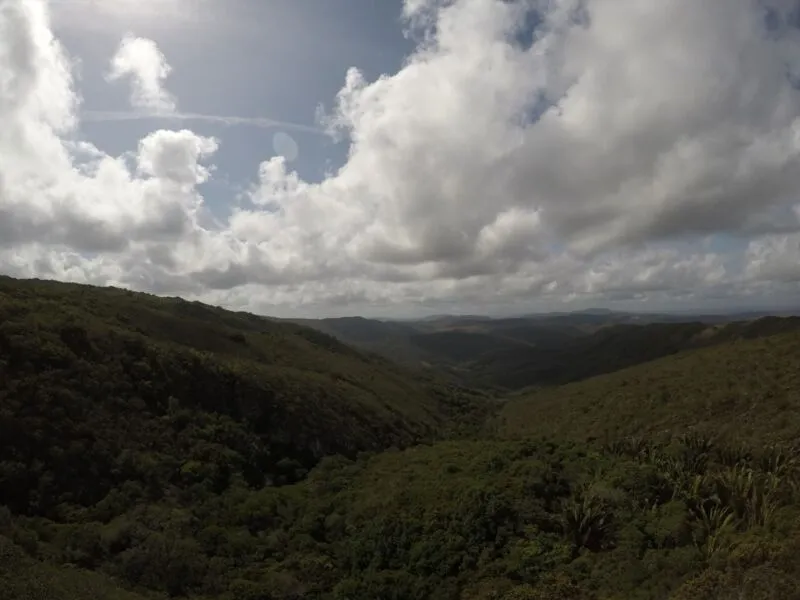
154	448
101	386
515	353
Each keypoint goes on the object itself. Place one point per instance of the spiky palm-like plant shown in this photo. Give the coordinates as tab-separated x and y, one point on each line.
779	460
731	456
697	449
679	479
586	521
715	523
764	500
713	519
753	497
734	487
632	447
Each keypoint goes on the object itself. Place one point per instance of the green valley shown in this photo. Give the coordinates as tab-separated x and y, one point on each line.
514	353
157	448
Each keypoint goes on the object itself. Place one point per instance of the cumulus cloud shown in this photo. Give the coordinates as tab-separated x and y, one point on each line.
69	197
141	62
643	131
775	258
589	159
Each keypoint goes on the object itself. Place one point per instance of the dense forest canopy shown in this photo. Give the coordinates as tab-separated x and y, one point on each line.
152	448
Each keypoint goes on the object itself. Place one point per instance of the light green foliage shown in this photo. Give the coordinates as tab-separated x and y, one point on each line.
745	391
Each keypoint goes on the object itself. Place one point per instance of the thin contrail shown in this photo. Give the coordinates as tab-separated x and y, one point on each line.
264	122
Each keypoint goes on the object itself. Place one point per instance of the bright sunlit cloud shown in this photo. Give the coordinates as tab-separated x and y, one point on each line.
594	165
141	62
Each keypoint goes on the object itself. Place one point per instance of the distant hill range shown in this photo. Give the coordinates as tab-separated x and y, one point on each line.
547	349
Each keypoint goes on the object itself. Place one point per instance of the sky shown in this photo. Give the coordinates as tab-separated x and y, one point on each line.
400	158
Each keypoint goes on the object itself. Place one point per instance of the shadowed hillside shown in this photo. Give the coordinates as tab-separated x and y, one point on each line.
101	386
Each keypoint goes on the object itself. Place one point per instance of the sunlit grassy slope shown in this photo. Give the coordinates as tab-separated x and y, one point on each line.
747	388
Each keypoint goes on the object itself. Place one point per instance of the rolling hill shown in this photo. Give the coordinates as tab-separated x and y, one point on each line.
745	388
154	448
514	353
610	349
100	385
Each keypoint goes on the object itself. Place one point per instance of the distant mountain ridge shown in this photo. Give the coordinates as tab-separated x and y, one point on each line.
515	352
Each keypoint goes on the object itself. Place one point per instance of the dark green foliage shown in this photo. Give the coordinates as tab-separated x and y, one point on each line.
23	578
450	520
155	448
99	387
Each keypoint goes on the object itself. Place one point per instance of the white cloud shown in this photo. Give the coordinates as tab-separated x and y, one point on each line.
173	156
141	61
655	131
586	166
69	196
775	258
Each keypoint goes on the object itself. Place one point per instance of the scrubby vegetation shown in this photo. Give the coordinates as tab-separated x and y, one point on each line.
154	448
479	520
